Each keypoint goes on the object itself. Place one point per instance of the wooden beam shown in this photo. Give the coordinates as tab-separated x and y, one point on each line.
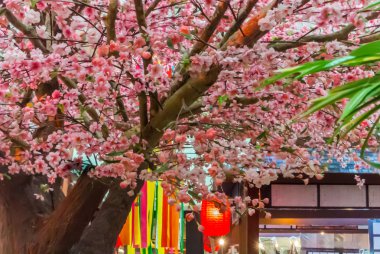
324	213
334	178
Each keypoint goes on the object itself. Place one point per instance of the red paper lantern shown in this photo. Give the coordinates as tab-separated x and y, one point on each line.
207	244
216	221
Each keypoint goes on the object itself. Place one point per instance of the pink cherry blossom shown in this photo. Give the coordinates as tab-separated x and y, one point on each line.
155	71
189	217
162	101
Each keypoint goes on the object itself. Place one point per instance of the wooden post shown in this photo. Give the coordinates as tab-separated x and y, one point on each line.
249	234
194	238
249	229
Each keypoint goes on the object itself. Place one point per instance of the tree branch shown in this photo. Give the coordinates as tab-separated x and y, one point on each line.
239	21
154	106
339	35
251	30
143	110
140	15
193	88
27	30
111	36
186	95
201	44
196	107
151	7
111	20
101	236
210	28
370	38
91	111
66	224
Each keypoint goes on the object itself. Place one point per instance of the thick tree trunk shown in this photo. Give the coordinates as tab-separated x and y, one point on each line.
21	213
65	226
101	236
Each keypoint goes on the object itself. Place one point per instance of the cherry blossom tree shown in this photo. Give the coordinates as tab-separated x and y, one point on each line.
121	92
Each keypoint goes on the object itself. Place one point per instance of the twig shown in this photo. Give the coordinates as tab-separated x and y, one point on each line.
151	7
27	30
239	21
111	20
210	28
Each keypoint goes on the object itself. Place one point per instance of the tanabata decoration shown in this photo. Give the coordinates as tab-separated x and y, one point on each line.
153	224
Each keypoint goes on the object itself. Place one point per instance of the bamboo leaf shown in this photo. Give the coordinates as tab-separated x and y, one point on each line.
365	145
356	121
362	60
361	96
320	103
368	49
375	4
351	85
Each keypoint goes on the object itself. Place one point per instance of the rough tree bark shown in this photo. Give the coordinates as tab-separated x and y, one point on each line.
21	213
100	238
65	225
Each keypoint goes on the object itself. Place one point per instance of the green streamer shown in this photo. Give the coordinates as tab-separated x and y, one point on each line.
154	226
182	229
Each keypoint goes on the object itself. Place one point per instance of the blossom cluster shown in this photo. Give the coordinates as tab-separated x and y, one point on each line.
69	90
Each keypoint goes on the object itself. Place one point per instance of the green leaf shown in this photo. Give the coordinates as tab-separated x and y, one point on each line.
375	4
361	96
314	67
301	70
90	78
116	153
53	74
361	93
367	53
33	3
365	145
329	99
7	176
287	149
111	161
262	135
222	99
185	59
61	107
164	167
362	60
350	85
169	42
338	61
356	121
368	49
187	36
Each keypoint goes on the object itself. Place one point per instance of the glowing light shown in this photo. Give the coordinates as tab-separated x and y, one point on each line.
322	232
221	242
276	245
296	244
